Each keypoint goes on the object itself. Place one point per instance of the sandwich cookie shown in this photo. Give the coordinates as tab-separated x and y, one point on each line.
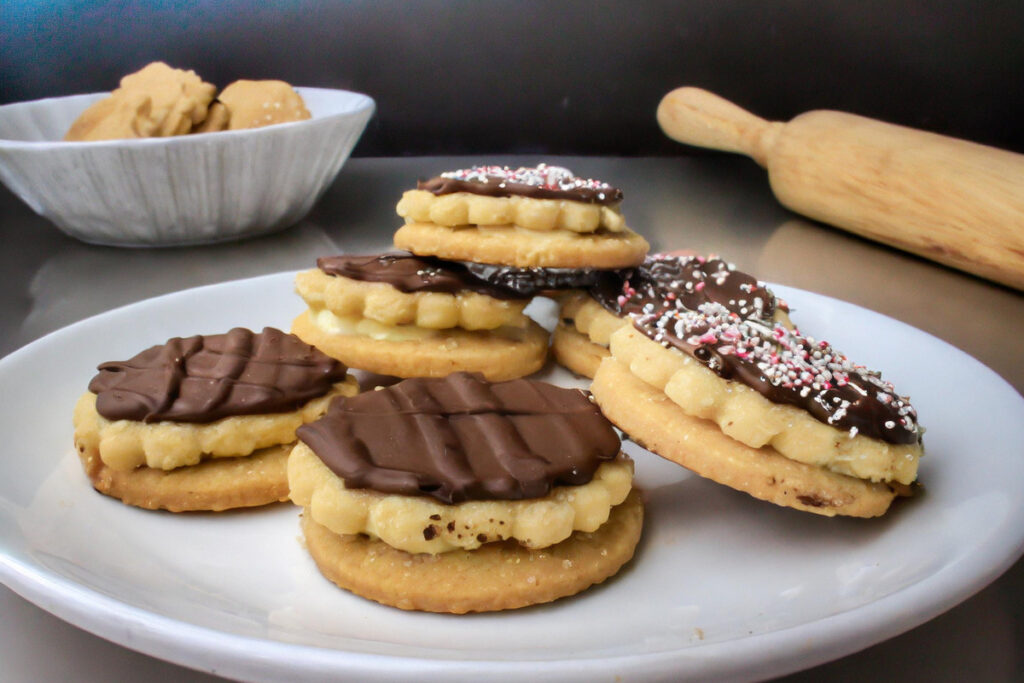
204	422
541	216
457	495
408	316
711	379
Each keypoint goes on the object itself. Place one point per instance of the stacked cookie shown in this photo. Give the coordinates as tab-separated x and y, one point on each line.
463	494
542	217
481	242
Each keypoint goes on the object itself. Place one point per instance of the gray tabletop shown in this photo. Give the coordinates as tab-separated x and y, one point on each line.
711	204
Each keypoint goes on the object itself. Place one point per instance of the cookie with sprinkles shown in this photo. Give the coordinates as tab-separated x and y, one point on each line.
710	378
542	216
587	317
409	316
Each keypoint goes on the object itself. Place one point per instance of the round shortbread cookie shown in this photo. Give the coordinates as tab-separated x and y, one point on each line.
254	104
654	421
522	248
496	576
497	358
213	485
574	351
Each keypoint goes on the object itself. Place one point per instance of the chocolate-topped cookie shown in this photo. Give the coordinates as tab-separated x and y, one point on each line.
542	216
461	438
798	423
203	422
410	316
463	478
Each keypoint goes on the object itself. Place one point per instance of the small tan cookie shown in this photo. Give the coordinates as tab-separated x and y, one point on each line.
499	355
496	576
254	104
514	246
213	485
114	118
156	101
654	421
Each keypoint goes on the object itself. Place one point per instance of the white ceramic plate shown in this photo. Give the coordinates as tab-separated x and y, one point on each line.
723	586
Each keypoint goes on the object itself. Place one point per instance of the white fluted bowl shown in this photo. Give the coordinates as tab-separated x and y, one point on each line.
190	189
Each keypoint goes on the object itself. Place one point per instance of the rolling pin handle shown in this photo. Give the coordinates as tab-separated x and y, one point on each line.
698	117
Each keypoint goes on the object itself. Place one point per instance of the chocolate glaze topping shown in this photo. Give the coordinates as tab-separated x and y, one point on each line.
672	280
205	378
724	319
539	182
461	438
408	273
533	281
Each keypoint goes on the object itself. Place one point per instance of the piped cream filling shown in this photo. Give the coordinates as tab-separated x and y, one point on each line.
419	524
330	323
536	215
166	445
745	415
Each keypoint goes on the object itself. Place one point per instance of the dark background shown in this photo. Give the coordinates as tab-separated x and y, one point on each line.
454	77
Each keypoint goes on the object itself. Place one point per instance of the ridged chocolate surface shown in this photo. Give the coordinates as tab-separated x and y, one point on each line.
205	378
461	438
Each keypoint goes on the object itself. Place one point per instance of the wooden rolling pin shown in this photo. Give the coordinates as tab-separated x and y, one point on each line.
949	200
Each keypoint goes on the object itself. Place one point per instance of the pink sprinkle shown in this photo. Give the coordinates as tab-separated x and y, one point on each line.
707	338
699	286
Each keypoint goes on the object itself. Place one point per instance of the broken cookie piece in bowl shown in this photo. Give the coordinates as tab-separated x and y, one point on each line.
211	183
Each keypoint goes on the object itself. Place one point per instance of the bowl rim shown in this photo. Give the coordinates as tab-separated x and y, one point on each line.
362	104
